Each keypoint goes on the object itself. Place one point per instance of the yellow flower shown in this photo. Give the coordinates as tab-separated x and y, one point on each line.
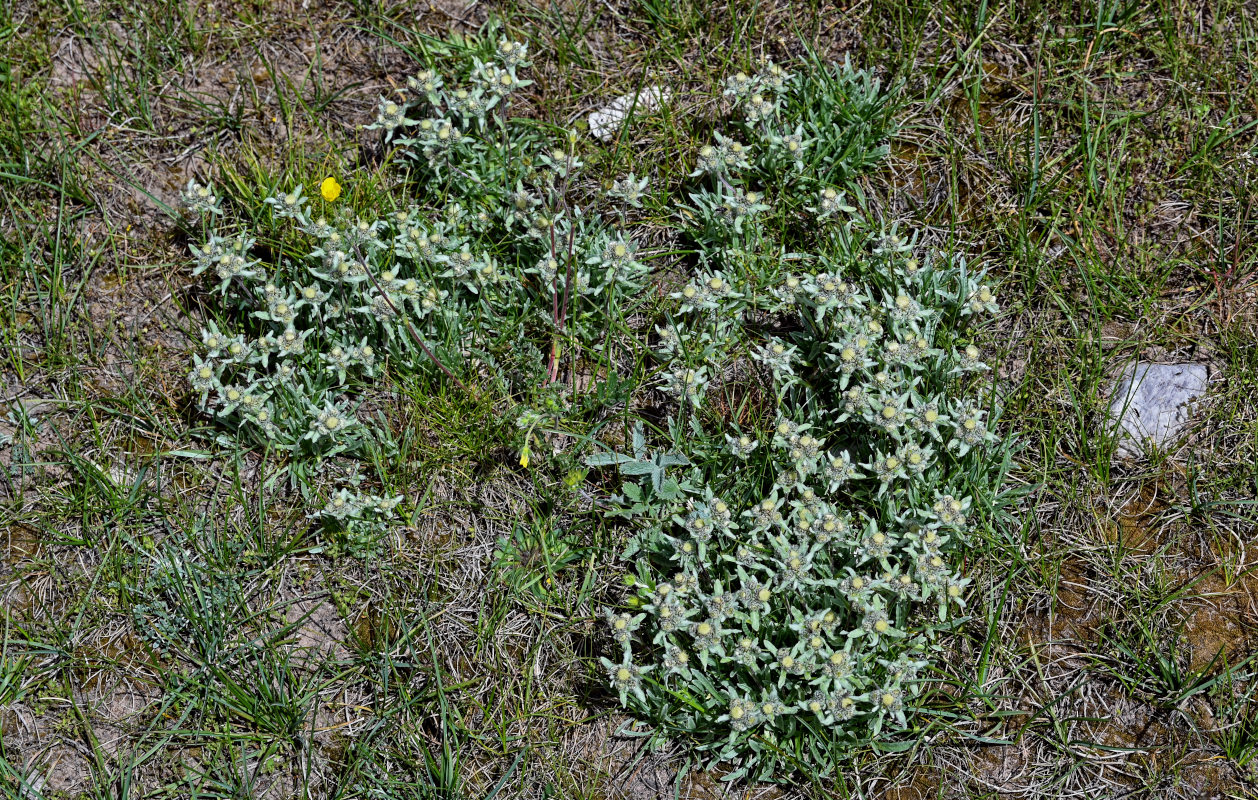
524	458
330	189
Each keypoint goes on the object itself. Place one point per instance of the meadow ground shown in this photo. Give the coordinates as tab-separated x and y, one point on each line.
1099	156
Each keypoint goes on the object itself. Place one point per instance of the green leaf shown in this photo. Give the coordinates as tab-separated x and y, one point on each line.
894	747
673	460
637	468
606	459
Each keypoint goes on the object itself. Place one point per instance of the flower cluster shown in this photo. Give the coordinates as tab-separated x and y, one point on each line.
815	369
787	599
358	291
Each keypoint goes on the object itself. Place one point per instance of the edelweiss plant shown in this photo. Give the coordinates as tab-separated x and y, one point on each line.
491	265
789	589
794	549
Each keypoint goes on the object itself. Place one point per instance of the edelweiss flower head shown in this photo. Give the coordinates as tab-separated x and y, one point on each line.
201	199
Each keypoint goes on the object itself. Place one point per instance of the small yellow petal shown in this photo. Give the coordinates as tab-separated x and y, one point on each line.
524	459
330	189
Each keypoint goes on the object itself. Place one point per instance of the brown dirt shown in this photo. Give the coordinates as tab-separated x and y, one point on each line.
323	633
921	783
22	543
1136	526
1216	624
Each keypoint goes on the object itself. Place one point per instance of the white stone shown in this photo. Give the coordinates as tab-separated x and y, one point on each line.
1149	404
607	120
